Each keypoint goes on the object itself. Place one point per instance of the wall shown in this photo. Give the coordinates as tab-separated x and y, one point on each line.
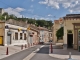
2	31
56	27
69	26
13	41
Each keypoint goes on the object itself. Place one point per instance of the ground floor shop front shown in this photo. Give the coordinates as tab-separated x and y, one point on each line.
72	37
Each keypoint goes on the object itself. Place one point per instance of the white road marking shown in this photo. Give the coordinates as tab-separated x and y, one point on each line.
32	54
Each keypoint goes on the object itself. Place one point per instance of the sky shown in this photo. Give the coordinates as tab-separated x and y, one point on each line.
41	9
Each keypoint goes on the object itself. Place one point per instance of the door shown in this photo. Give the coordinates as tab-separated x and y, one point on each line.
1	40
8	39
70	40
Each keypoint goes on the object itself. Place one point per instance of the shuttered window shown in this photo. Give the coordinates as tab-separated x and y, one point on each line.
16	36
24	36
20	36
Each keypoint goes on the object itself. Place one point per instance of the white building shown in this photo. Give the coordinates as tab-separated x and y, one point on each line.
12	33
15	35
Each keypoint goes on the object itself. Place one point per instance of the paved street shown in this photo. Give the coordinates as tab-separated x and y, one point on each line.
21	55
43	54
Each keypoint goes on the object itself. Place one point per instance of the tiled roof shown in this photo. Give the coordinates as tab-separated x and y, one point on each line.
33	27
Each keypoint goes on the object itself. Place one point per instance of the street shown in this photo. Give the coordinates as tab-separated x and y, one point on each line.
42	54
21	55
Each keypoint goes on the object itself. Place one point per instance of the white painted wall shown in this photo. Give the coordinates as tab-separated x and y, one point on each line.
15	42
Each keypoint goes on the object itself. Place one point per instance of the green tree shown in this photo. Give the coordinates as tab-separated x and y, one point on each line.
5	14
60	33
2	17
12	17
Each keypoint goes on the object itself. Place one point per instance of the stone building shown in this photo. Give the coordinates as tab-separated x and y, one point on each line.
71	31
44	34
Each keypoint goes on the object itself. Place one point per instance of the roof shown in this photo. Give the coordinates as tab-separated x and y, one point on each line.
33	27
42	28
72	16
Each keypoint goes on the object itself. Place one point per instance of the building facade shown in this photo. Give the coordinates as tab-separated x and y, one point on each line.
35	34
56	27
1	11
17	33
44	34
72	31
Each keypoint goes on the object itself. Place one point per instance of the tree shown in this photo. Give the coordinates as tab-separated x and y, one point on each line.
60	33
2	17
5	14
12	17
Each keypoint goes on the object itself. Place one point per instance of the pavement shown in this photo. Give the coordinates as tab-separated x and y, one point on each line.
59	52
11	50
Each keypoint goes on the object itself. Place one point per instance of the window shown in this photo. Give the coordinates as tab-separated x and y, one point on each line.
24	36
16	36
20	36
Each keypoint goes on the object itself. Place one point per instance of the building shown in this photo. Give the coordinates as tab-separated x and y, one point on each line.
50	35
44	34
57	24
1	11
13	33
34	32
71	31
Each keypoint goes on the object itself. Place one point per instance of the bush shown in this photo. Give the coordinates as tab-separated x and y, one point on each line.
60	33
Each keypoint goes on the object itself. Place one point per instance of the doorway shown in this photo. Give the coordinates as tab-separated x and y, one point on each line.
8	39
69	40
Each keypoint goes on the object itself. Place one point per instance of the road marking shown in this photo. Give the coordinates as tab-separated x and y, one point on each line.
32	54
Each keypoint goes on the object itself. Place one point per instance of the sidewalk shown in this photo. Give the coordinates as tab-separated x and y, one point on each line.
64	54
11	49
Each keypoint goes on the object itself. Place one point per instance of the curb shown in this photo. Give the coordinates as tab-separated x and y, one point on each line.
65	57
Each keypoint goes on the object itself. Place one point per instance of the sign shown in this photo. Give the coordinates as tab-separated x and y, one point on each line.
23	31
9	32
28	28
19	29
